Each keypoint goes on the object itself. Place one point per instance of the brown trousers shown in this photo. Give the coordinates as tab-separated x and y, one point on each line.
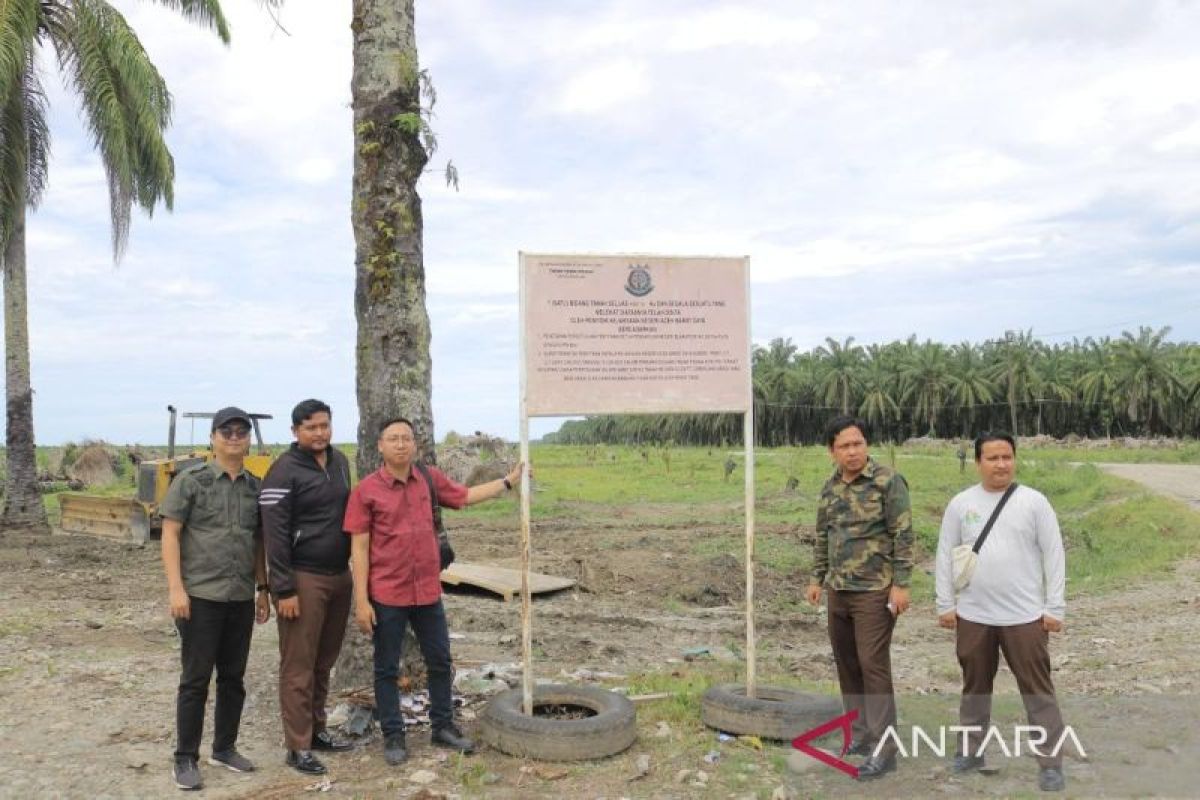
860	631
1027	652
308	648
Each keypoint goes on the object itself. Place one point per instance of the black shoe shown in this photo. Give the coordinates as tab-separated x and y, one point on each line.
1051	779
304	761
231	759
860	747
452	737
324	740
876	767
186	773
394	752
966	764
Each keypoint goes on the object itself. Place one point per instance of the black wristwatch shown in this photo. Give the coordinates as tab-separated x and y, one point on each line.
507	483
263	587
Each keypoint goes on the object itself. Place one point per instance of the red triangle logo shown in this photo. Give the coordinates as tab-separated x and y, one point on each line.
844	722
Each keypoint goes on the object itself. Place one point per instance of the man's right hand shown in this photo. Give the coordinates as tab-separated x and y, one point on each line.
181	604
948	620
364	615
288	608
813	594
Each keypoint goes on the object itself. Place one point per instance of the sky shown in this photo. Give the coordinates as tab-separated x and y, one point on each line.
890	167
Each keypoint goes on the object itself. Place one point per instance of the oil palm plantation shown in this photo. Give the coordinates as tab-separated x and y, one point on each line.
126	108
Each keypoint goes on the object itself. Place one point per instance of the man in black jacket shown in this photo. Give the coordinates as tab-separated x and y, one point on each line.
302	502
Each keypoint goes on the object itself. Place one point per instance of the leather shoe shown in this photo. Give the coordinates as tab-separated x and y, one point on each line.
394	751
860	747
966	764
323	740
876	767
452	737
304	761
1050	779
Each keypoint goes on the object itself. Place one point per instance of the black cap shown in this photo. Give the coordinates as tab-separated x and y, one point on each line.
228	415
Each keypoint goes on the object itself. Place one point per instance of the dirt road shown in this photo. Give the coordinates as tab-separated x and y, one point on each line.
1180	481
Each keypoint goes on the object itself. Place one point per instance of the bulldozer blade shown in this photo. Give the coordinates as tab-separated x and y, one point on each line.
117	518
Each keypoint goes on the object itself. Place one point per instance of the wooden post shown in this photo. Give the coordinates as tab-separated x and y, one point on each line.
526	604
748	437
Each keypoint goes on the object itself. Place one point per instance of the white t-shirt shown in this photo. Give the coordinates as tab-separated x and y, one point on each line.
1021	572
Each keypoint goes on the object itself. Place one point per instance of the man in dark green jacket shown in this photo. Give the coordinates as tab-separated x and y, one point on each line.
212	553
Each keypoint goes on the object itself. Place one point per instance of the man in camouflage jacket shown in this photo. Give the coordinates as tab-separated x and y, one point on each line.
863	555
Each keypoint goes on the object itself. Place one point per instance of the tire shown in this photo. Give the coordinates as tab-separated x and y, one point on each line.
773	714
506	727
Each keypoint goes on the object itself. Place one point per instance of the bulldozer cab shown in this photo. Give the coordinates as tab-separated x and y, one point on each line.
137	519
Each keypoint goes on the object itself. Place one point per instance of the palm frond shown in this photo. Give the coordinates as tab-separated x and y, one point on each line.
37	133
205	13
127	108
18	27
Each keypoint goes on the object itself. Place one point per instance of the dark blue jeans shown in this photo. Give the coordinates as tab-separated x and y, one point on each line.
429	626
216	635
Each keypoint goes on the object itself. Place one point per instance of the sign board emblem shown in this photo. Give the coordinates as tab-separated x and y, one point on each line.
639	284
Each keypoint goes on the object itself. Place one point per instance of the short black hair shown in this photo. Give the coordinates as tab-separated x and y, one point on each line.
387	423
993	436
840	423
306	408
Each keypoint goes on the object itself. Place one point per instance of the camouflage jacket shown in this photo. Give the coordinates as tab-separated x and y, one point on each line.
864	531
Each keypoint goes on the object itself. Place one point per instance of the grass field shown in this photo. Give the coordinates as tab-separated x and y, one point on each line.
1115	531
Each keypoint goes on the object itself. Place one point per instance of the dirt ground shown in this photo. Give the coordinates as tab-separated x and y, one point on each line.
89	663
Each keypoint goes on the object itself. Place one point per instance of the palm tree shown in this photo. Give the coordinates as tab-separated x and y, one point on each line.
969	383
927	382
1015	369
879	406
392	100
127	108
840	362
1146	375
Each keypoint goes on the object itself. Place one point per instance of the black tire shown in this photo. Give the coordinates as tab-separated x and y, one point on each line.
773	713
506	727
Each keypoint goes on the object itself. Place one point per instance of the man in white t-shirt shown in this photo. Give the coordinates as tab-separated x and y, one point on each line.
1014	600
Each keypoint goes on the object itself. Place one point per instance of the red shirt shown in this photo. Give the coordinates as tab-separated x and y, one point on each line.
398	515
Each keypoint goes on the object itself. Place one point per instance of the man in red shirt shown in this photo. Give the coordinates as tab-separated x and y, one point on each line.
395	558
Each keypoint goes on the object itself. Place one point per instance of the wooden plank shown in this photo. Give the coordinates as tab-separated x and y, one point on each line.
502	580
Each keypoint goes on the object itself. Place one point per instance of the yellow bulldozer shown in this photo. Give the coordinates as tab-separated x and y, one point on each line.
137	519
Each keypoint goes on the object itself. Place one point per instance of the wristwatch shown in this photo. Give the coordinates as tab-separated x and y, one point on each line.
507	483
263	587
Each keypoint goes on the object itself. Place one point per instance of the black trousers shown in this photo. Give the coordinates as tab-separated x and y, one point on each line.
217	635
433	635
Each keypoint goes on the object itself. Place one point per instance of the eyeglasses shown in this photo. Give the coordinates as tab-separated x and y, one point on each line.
233	432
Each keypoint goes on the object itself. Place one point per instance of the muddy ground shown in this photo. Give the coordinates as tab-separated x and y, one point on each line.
89	663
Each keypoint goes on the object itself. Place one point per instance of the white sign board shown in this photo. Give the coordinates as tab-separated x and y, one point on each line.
635	334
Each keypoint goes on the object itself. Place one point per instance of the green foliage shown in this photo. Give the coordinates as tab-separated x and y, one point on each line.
1136	386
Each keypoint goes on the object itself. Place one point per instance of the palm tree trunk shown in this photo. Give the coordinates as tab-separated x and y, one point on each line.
23	507
393	364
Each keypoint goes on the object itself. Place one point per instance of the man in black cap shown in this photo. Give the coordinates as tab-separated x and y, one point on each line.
213	554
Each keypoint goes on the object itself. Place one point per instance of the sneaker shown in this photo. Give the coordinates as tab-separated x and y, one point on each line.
966	764
394	751
450	736
1050	779
231	759
876	767
304	761
187	773
324	740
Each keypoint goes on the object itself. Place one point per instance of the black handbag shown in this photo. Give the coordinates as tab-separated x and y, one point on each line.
445	551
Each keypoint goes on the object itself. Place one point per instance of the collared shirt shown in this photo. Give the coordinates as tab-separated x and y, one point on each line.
220	527
864	531
398	514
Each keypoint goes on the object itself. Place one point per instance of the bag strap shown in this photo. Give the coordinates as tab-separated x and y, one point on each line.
1012	487
433	497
